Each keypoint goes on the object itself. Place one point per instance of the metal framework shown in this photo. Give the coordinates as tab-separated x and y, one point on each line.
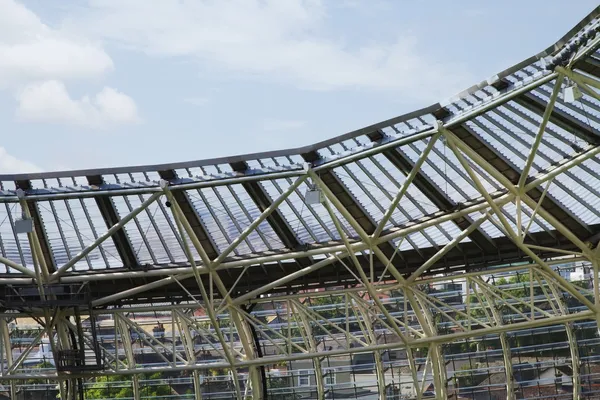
272	275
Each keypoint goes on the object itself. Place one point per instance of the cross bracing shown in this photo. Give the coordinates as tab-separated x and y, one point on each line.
225	257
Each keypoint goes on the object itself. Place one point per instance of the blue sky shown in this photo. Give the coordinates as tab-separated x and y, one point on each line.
98	83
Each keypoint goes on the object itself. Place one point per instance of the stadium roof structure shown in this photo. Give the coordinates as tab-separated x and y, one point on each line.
503	175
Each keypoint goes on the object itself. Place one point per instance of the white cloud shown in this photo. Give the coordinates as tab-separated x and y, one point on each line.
35	62
49	101
30	49
9	164
282	40
281	125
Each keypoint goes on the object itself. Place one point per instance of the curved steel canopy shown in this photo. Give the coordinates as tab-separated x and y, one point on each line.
506	174
498	119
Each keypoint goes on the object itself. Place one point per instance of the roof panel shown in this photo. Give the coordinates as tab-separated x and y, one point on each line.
15	247
264	238
97	227
369	180
68	231
444	169
302	220
209	219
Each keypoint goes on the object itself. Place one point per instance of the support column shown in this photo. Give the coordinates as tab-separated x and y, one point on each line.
184	227
573	347
427	324
425	319
506	353
249	351
8	353
438	363
122	328
68	387
310	341
372	340
188	344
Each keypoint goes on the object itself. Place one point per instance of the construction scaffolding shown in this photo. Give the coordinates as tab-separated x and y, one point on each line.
447	253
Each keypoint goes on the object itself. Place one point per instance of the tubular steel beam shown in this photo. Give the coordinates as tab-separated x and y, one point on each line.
504	342
336	187
269	360
561	227
510	172
405	185
590	65
121	327
369	332
481	162
38	226
423	315
191	214
8	356
433	192
280	226
240	325
306	331
571	338
560	118
541	130
115	231
111	217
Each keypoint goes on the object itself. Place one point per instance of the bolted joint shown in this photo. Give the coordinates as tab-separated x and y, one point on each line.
164	184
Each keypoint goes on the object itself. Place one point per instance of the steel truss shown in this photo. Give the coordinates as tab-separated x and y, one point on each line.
380	299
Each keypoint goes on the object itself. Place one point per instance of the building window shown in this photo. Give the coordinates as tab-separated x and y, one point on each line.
303	378
329	376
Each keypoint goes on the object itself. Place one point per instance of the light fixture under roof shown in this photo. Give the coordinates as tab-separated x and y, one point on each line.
24	225
313	195
571	93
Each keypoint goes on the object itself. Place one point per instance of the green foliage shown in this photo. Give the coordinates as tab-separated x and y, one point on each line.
520	287
36	381
582	284
118	386
336	311
279	388
217	372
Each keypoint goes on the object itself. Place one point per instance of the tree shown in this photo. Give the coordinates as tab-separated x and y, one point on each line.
281	388
119	386
335	303
116	386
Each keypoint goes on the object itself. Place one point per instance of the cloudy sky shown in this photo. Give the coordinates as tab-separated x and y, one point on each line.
119	82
